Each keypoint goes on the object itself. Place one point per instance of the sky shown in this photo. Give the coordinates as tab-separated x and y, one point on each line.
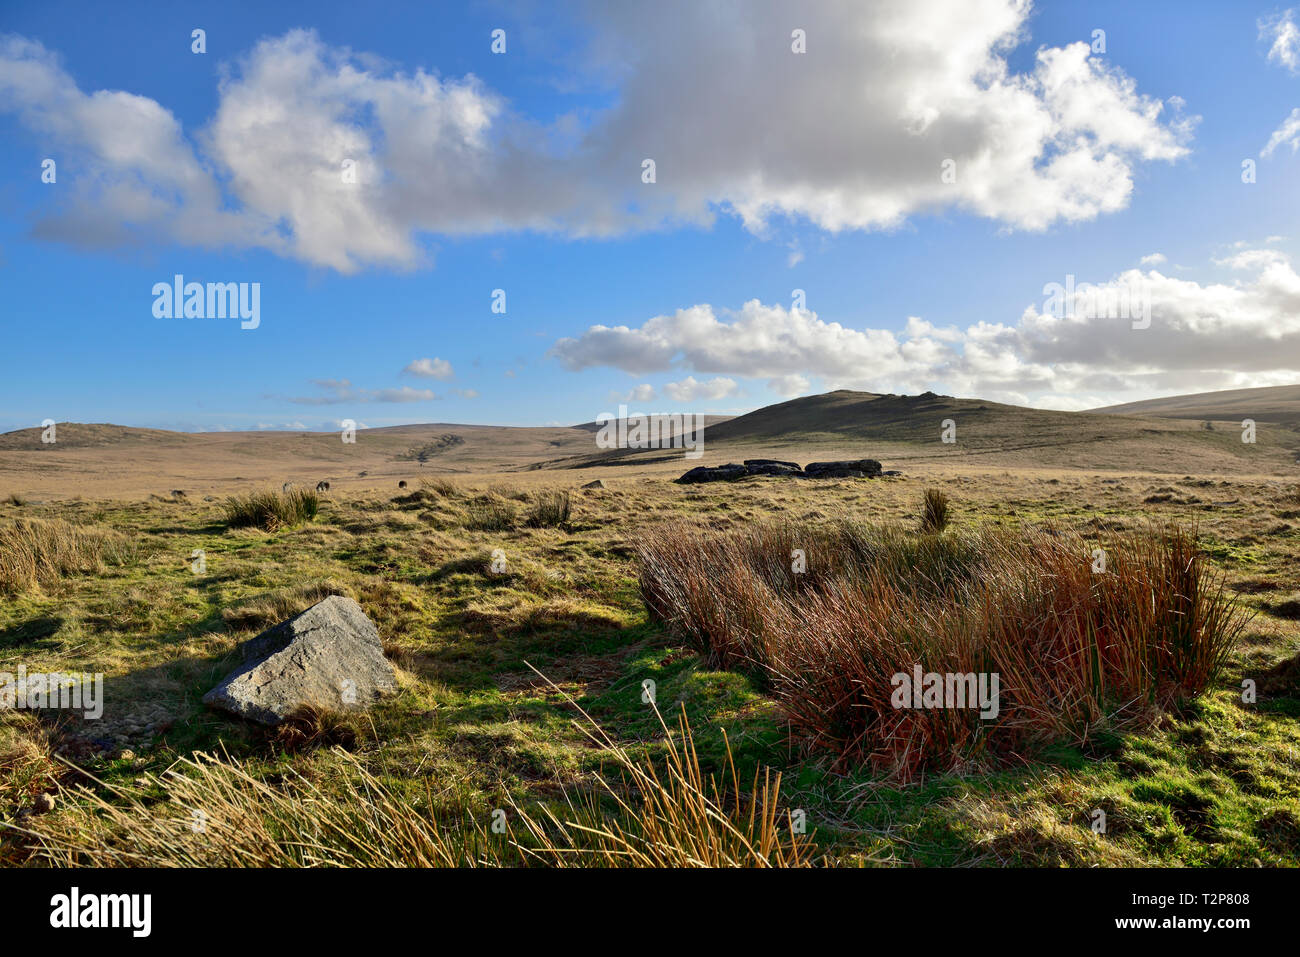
863	195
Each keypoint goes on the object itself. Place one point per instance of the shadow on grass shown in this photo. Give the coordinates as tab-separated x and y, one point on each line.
30	632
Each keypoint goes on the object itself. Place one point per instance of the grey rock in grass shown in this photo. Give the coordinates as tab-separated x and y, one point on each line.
719	473
328	656
771	467
596	484
855	468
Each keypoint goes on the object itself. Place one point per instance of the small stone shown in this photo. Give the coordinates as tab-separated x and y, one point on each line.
44	803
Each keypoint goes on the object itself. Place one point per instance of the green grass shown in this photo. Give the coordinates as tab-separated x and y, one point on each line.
473	728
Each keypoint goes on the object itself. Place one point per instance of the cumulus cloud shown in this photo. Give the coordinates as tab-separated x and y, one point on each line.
1283	36
761	340
644	392
690	389
135	168
1286	134
789	386
430	369
1153	259
1078	352
341	161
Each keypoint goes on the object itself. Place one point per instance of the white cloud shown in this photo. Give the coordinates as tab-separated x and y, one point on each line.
1201	337
1283	36
1288	133
850	135
430	369
340	391
1153	259
135	166
644	392
690	389
1248	258
789	386
404	394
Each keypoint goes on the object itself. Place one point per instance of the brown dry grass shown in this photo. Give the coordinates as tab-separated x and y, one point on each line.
36	553
1076	650
217	813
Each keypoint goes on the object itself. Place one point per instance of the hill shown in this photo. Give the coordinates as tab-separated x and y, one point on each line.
900	429
1279	403
100	461
904	431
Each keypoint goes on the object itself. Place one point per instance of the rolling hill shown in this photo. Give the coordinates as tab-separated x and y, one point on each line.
1279	403
903	431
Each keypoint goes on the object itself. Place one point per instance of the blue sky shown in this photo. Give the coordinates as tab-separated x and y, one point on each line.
521	171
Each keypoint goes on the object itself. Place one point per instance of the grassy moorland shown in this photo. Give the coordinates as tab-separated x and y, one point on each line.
498	670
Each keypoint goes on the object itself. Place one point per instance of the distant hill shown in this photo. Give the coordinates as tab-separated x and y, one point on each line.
1279	403
902	431
112	460
899	429
77	435
867	416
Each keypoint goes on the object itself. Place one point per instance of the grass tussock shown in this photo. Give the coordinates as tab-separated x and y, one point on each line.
310	728
440	486
219	812
36	553
490	513
936	511
271	510
1076	650
551	510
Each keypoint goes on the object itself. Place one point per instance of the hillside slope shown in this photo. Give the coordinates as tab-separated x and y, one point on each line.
898	429
109	460
1280	403
902	431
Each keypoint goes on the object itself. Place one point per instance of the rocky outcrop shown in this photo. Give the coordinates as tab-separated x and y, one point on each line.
328	656
771	467
854	468
718	473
